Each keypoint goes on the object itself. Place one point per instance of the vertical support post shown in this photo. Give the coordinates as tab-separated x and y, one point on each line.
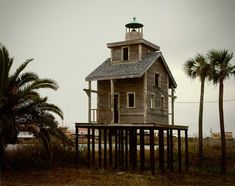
112	100
179	150
88	147
152	166
126	148
99	150
93	147
76	146
142	149
89	101
172	106
116	147
168	148
186	149
171	150
105	148
134	148
145	96
122	149
161	149
110	148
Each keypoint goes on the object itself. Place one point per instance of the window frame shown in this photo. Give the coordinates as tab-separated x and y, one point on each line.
152	101
158	80
127	102
162	102
122	53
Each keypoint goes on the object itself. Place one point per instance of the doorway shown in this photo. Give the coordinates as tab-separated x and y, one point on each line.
116	108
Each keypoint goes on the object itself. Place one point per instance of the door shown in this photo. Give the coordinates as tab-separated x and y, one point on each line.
116	108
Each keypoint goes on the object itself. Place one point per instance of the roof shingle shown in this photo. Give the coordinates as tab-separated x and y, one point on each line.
120	70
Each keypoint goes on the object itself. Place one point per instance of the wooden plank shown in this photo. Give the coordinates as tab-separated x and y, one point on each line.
89	91
186	150
88	147
142	157
122	148
99	149
126	148
110	149
116	149
76	147
145	97
161	150
105	148
152	163
93	147
168	148
179	150
112	100
89	102
171	151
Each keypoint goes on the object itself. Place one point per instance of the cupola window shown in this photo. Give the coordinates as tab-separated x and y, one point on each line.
125	53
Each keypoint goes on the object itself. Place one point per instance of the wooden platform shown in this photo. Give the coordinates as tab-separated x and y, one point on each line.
117	146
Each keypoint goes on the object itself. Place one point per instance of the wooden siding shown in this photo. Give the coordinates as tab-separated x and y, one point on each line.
157	115
103	104
133	52
136	85
122	86
146	50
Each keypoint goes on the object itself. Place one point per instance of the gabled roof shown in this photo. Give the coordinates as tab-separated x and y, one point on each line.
122	70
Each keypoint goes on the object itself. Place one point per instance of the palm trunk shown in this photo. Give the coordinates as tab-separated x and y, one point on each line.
2	162
200	123
222	130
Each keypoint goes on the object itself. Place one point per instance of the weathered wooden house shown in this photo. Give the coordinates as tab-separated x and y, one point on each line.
133	83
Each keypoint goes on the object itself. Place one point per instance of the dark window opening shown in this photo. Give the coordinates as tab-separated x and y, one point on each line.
157	80
131	100
162	103
125	53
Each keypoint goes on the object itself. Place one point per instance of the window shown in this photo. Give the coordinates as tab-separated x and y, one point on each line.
125	54
130	99
157	79
162	102
152	101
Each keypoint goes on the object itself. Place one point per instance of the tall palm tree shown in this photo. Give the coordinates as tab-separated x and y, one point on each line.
221	69
197	67
21	106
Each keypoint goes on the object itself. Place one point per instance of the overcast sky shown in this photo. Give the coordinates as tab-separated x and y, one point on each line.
67	40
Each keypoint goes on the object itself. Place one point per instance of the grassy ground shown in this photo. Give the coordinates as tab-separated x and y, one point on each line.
30	169
71	176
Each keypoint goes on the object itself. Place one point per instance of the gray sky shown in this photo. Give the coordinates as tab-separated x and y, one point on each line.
68	40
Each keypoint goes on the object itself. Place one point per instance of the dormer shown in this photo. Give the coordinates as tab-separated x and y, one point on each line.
134	48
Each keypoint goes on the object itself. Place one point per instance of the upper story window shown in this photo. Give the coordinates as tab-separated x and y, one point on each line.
157	80
162	104
125	53
152	101
130	100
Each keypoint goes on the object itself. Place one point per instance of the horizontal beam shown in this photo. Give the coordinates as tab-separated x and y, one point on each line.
88	90
132	125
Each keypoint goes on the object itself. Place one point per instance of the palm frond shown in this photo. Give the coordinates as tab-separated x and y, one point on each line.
15	75
44	83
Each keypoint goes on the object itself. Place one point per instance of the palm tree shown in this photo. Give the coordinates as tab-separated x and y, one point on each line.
221	69
198	67
21	106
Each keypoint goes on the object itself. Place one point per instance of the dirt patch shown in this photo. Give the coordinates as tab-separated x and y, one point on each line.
71	177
